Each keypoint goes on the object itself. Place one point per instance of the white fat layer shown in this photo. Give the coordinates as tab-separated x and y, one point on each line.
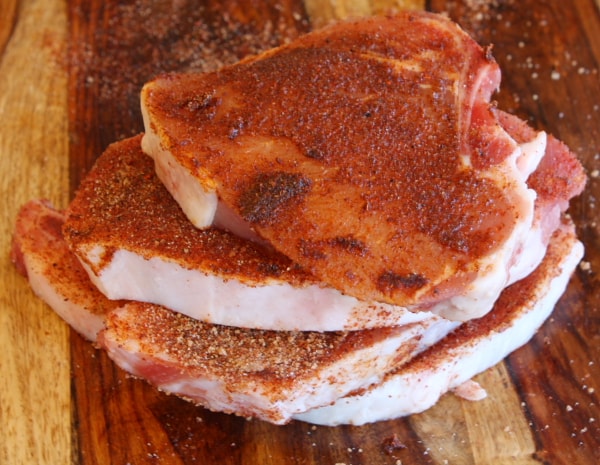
69	308
226	218
408	391
215	299
532	153
327	382
198	203
529	256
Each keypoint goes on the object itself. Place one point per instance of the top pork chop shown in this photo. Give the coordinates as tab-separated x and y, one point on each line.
367	152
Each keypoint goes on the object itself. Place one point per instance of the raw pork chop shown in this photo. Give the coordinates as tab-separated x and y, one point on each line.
266	374
469	350
137	244
367	152
271	375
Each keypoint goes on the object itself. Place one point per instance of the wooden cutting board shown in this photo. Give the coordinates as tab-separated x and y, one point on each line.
70	74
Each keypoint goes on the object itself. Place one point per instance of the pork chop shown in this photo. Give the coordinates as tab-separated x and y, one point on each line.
367	152
265	374
136	244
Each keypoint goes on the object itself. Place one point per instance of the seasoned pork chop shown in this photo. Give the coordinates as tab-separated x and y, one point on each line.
266	374
271	375
367	152
137	244
469	350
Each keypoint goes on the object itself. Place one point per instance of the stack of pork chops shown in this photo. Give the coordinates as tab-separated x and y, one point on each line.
339	230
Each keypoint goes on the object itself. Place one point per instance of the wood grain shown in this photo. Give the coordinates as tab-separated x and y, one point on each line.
322	12
35	398
70	74
7	21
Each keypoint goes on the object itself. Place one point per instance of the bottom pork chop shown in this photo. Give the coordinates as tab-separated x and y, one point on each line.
266	374
123	218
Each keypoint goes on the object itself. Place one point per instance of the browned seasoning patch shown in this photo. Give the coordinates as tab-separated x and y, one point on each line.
270	193
390	281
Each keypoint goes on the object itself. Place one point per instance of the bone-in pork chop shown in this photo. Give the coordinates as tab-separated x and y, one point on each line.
368	152
266	374
136	244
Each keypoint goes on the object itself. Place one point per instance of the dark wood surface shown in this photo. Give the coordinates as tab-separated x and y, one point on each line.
543	403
